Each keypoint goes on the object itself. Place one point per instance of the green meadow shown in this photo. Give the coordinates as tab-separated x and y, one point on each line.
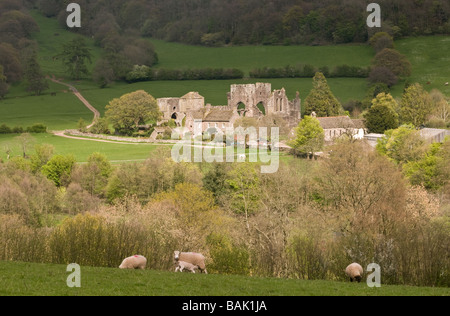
81	149
246	58
34	279
427	55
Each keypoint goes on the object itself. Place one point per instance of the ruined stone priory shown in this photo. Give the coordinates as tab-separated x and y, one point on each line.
249	100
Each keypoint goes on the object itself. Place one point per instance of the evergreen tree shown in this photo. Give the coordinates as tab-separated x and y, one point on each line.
35	80
382	116
74	56
3	85
321	100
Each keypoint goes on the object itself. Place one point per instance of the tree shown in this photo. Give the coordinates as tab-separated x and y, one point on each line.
363	190
310	136
382	75
424	171
103	73
93	176
36	81
59	168
415	105
245	191
132	109
393	60
43	153
10	60
441	106
4	87
321	100
382	116
291	20
402	145
381	40
74	56
25	140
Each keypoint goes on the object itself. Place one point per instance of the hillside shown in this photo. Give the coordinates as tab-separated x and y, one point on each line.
49	279
64	111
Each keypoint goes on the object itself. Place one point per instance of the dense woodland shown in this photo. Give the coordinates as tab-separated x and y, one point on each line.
218	22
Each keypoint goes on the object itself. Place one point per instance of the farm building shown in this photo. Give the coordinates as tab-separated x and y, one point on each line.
335	127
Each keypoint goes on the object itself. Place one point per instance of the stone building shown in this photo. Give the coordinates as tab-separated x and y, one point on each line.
335	127
249	100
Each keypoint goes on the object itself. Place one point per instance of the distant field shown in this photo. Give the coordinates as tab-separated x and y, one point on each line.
430	59
81	149
30	279
51	38
60	112
246	58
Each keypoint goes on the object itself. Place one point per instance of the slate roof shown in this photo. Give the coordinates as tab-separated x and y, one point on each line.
219	116
336	122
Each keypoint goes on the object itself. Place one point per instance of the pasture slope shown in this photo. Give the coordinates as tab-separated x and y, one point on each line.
34	279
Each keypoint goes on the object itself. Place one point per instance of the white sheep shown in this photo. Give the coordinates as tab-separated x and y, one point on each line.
134	262
182	265
355	272
446	84
196	259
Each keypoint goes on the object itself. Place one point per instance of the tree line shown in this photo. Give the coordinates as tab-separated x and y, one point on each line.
214	23
18	51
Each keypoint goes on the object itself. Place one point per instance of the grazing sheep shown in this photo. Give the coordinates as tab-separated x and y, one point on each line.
134	262
446	84
354	271
182	265
196	259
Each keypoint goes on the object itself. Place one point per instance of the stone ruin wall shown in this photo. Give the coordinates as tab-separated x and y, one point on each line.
251	95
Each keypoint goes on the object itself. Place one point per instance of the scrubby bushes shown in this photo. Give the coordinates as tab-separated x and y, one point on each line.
309	220
144	73
308	71
35	129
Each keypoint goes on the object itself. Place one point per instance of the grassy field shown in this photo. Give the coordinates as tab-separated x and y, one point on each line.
430	61
81	149
30	279
246	58
63	111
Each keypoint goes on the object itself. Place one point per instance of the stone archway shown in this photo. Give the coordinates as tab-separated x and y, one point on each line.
261	108
241	109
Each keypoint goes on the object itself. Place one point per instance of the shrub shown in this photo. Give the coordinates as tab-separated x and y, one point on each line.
59	168
4	129
227	258
19	242
37	129
382	75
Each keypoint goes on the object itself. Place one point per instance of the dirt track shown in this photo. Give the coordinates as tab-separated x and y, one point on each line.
81	98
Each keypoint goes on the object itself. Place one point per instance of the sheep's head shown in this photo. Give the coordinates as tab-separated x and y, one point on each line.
358	278
176	255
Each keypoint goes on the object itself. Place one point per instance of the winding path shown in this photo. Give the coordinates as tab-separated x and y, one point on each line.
82	99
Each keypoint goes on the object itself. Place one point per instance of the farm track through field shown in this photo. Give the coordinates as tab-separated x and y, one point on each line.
81	98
